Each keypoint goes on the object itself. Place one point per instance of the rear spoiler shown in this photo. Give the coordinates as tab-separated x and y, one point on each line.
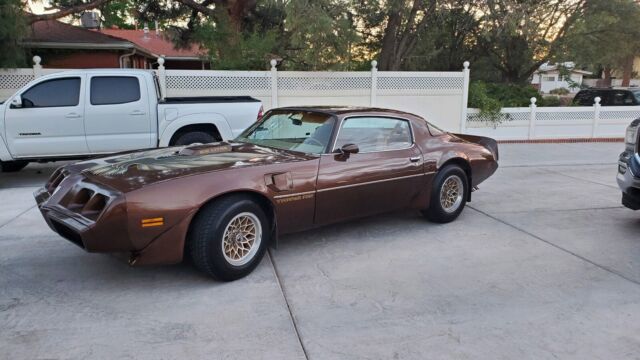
487	142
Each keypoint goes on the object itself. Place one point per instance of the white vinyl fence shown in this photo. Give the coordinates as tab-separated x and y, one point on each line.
440	97
530	123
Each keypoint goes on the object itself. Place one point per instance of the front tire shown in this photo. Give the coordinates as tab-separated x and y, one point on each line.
194	137
229	237
448	195
12	166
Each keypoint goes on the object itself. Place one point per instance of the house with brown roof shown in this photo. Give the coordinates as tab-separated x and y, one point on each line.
62	45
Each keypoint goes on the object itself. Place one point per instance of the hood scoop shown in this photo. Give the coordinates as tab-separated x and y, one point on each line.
205	149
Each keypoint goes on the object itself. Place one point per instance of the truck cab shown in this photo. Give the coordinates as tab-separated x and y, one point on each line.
82	113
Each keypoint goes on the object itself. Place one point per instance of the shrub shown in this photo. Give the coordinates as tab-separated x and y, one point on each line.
550	101
559	91
480	99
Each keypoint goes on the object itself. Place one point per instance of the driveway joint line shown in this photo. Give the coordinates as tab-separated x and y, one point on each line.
602	267
577	178
559	210
556	165
17	216
286	301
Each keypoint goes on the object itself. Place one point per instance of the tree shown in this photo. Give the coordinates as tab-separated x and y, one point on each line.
400	22
12	30
517	36
448	39
606	37
320	34
65	8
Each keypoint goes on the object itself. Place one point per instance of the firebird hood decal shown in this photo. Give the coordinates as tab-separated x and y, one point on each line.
132	170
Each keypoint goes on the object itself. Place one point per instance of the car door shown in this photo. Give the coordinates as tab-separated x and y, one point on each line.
386	173
117	113
50	121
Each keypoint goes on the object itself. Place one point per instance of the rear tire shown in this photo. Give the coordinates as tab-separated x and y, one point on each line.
229	237
12	166
448	195
193	137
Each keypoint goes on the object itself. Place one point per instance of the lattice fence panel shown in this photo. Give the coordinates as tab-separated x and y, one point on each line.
14	81
420	83
515	116
614	115
244	83
295	83
572	115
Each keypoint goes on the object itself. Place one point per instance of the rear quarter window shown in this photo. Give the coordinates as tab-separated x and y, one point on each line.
107	90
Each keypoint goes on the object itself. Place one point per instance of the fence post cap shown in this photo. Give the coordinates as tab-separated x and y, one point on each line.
161	60
37	59
374	64
597	100
273	63
533	100
466	64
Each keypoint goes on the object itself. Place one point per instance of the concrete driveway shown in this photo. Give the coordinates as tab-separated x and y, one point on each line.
544	263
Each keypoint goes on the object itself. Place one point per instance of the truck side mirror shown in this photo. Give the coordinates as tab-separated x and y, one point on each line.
16	102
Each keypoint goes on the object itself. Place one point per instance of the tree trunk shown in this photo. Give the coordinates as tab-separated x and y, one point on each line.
386	61
626	71
606	80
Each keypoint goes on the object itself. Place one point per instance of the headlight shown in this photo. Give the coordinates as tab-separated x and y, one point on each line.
631	136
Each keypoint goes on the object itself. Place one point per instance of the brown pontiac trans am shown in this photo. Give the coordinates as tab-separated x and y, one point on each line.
295	169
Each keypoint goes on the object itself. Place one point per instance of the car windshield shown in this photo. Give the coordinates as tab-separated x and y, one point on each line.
303	131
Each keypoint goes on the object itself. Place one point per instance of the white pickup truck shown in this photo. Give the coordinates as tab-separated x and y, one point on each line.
80	113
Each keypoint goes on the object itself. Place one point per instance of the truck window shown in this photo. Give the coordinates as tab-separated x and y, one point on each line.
53	93
621	98
106	90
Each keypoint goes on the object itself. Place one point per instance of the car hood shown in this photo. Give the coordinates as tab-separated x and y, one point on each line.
132	170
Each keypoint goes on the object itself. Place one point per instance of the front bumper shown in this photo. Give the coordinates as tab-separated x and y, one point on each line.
87	215
98	219
629	179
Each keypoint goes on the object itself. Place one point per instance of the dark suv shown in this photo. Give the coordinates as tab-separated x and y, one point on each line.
608	97
629	168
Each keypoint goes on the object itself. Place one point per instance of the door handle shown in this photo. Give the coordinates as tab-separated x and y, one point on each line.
137	112
414	158
73	115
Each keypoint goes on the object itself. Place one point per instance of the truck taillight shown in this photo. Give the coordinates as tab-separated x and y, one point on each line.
260	113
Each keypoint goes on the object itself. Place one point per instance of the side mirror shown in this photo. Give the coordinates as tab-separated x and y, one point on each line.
16	102
345	151
348	149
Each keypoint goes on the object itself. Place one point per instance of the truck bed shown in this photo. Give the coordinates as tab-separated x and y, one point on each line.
208	99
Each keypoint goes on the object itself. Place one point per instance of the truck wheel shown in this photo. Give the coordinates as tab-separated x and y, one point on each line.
229	237
193	137
12	166
448	195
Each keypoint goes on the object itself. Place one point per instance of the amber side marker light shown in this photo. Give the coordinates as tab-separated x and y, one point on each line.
152	222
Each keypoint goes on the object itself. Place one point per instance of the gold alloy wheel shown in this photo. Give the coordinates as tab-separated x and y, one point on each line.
451	193
241	239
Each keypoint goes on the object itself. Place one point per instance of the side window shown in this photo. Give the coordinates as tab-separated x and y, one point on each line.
375	133
106	90
53	93
584	98
621	98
